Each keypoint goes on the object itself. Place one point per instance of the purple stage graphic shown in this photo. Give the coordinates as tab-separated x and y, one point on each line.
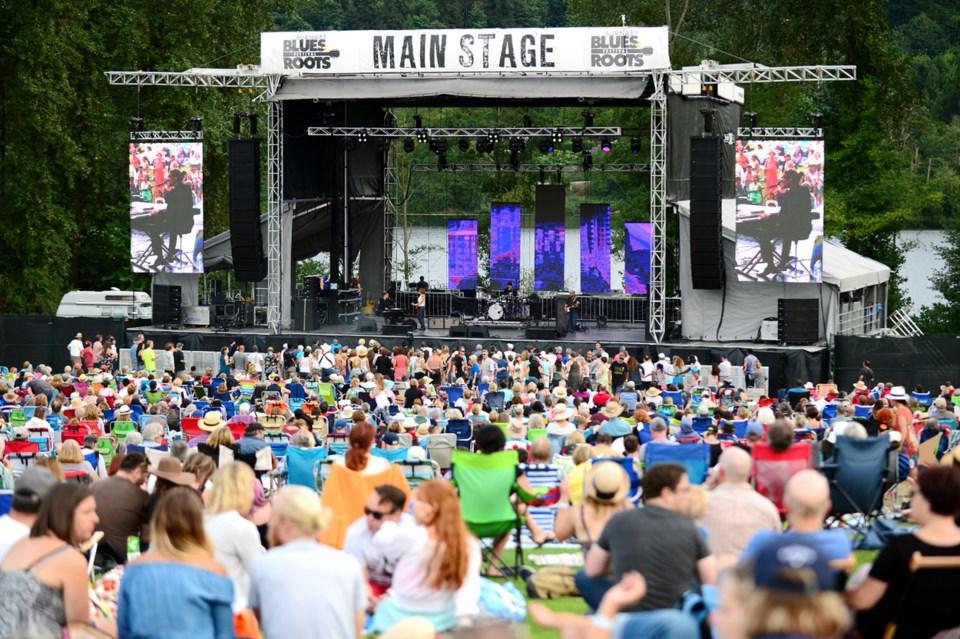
504	245
595	248
549	242
636	257
462	254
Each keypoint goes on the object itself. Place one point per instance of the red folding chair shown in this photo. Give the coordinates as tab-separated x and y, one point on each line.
75	432
772	469
78	476
22	450
93	426
191	427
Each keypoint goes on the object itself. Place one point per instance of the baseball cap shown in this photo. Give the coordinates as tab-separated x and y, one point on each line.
32	488
793	565
390	439
754	429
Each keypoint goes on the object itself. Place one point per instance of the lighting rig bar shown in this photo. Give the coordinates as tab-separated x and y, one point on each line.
532	168
245	77
165	136
444	132
761	74
779	132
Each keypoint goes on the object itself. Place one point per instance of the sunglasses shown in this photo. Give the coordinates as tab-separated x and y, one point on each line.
375	514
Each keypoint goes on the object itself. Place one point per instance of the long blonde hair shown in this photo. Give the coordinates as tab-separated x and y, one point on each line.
232	489
176	528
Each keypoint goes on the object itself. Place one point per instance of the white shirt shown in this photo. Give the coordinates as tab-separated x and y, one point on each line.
11	531
412	593
237	543
647	367
75	347
726	370
380	551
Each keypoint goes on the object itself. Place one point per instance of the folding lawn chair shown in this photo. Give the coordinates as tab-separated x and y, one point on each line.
695	457
857	474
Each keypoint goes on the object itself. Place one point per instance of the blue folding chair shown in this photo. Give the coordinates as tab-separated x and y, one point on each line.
453	393
392	456
861	411
740	428
495	400
464	432
923	399
857	474
676	396
296	392
700	424
6	500
829	411
630	398
28	411
301	463
231	408
695	457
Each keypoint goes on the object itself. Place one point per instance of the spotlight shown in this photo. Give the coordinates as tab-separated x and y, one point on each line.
408	145
546	146
605	145
816	119
329	119
197	124
442	147
137	123
515	145
464	144
422	135
635	145
348	145
577	145
749	119
557	136
363	136
587	119
434	146
480	144
587	162
493	136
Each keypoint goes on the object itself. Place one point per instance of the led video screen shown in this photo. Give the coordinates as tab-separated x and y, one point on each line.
504	245
462	255
166	207
779	187
637	242
595	248
549	238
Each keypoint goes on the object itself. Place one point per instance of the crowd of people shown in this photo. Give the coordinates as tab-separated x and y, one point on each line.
127	523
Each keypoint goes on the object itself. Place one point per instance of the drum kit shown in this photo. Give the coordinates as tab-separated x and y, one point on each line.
504	308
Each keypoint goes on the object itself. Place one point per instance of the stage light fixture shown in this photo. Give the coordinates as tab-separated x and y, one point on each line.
442	147
480	144
749	119
197	124
635	145
363	136
408	145
557	136
463	144
606	145
493	137
587	119
816	119
546	146
587	162
577	145
422	136
515	145
389	120
137	123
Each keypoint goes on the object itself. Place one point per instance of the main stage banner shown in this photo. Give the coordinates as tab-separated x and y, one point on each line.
588	51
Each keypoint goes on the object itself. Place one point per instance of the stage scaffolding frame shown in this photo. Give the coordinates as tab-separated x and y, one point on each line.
248	76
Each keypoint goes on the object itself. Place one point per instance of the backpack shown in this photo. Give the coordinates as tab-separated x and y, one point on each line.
552	582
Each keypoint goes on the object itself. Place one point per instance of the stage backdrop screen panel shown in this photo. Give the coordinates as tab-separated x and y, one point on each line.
462	255
779	187
504	245
595	248
166	207
638	238
549	238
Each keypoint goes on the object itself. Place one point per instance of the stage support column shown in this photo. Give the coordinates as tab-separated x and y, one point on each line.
275	288
658	206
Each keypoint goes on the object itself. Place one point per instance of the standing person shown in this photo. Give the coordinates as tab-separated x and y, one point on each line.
135	349
571	308
256	358
421	306
725	371
866	374
97	350
223	360
44	576
110	358
179	360
149	358
177	590
751	366
75	348
285	580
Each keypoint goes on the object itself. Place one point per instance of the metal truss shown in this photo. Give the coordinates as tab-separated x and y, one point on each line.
533	168
658	206
444	132
244	77
274	216
753	74
391	196
779	132
165	136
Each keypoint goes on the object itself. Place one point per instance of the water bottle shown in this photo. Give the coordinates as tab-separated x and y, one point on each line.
133	547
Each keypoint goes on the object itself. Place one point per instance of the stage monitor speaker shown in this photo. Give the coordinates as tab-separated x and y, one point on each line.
246	239
366	325
398	329
706	232
541	332
304	315
458	331
166	305
482	332
333	305
798	321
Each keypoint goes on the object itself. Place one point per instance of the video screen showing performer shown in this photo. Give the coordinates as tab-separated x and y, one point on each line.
779	210
166	207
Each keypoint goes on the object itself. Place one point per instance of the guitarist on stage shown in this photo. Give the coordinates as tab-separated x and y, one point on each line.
571	308
421	306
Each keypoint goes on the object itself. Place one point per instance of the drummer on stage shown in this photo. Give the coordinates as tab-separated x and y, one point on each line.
509	290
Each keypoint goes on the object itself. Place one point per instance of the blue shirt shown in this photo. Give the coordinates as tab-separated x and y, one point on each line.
834	543
616	427
174	601
250	445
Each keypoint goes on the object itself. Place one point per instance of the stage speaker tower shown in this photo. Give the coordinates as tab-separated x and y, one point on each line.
246	239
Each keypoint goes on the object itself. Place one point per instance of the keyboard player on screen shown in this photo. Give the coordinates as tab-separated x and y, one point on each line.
793	223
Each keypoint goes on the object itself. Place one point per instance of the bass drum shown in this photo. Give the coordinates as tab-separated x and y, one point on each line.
495	312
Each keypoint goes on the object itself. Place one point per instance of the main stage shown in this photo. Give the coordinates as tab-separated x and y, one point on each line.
786	363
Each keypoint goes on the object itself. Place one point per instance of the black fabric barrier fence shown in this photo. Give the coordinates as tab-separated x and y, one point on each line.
929	360
43	339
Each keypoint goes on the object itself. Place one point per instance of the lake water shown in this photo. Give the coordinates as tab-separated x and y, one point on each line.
922	261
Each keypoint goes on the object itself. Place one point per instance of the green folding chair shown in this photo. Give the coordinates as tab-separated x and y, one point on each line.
326	393
536	433
121	429
486	483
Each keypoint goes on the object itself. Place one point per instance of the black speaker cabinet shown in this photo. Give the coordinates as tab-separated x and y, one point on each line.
166	305
246	239
706	232
458	331
304	315
798	321
366	325
541	332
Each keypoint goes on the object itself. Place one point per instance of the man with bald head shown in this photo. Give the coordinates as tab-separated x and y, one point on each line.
807	499
735	511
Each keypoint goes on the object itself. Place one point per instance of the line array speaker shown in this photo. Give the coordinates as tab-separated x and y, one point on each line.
246	239
166	305
706	232
798	321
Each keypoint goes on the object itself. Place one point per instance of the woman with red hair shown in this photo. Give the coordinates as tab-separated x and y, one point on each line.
439	577
358	458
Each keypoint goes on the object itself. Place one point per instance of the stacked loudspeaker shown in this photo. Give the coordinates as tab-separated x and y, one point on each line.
798	321
706	231
246	241
166	305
